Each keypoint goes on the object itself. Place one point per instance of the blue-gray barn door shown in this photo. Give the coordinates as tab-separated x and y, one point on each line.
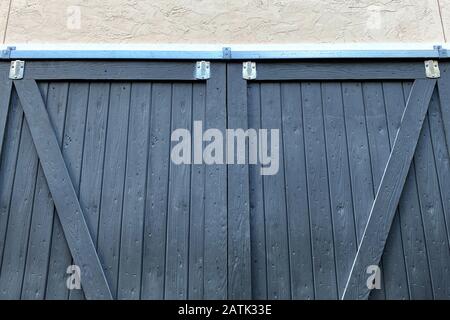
364	168
86	179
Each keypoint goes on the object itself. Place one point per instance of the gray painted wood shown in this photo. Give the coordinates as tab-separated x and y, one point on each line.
5	98
113	182
93	160
216	238
17	233
197	206
153	272
35	276
416	257
14	255
339	180
389	191
393	271
407	223
61	187
409	214
277	245
359	154
72	151
94	154
444	98
444	101
378	149
433	215
257	218
178	213
277	71
427	290
107	70
318	193
350	137
299	232
130	267
8	165
441	155
239	264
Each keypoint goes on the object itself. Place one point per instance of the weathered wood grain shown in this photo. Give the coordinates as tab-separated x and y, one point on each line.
216	234
153	272
130	265
35	276
5	98
278	275
239	272
61	187
389	191
72	151
299	232
324	262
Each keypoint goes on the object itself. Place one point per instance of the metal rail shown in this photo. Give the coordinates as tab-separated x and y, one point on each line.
225	53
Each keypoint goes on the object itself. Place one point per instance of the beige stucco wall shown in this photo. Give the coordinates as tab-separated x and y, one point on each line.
445	13
4	7
225	21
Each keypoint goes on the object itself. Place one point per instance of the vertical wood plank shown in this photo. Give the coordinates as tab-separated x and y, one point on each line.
5	99
153	273
130	267
339	179
21	206
359	156
93	160
43	206
390	189
257	216
14	255
441	155
433	214
318	193
278	275
72	152
444	98
239	272
113	182
216	250
179	202
8	162
197	218
301	267
93	156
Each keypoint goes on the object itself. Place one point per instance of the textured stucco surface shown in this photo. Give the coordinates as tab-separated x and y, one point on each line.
4	6
226	21
445	12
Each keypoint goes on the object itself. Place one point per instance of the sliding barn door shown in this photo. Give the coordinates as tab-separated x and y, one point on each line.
86	180
361	200
359	208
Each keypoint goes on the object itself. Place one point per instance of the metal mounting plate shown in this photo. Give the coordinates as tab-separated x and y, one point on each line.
16	70
202	70
249	70
432	69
